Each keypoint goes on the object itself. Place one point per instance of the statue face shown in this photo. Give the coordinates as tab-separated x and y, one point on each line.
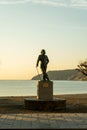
43	52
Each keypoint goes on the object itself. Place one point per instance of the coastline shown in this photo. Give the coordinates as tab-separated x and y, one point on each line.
74	103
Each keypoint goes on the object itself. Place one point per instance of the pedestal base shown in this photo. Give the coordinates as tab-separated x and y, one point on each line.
35	104
45	90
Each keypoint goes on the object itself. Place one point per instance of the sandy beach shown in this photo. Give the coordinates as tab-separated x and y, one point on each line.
75	103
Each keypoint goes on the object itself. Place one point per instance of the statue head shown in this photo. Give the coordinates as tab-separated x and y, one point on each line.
43	52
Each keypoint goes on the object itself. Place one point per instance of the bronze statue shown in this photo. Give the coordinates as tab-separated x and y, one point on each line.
43	58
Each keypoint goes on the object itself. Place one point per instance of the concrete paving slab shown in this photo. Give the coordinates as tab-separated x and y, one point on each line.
43	120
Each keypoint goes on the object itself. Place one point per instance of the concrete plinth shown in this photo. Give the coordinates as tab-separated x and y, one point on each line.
45	90
35	104
44	100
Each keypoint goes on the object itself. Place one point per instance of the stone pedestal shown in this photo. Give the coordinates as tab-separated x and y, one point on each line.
45	100
49	105
45	90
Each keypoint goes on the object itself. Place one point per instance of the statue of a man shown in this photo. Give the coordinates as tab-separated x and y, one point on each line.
43	58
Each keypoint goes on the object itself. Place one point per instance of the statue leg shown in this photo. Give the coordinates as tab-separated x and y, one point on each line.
45	74
47	77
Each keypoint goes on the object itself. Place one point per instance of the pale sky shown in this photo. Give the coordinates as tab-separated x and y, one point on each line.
27	26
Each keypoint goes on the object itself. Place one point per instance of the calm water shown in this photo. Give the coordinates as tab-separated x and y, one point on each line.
27	88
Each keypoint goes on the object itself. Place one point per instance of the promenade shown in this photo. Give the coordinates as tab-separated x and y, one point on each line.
38	120
13	115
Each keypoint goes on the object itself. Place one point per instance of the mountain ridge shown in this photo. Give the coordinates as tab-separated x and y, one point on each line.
69	74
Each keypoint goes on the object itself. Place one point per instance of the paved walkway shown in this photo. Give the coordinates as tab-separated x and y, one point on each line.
43	120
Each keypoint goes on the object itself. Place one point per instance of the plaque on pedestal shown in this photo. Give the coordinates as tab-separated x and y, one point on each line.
45	90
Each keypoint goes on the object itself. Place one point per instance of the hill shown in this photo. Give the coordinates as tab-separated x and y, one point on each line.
63	75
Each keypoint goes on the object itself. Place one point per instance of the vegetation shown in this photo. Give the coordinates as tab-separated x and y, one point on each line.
82	67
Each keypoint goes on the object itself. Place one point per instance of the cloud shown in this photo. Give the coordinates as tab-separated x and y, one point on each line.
79	3
12	1
55	3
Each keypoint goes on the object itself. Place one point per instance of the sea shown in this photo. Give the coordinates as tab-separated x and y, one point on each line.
29	87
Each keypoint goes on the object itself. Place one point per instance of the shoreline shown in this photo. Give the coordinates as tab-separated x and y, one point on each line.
60	95
75	103
53	95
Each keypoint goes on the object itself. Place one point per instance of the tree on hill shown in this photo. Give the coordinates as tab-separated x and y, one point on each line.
82	67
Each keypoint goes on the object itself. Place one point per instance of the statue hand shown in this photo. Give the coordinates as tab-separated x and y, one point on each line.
36	65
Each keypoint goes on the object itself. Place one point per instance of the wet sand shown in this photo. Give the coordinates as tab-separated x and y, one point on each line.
75	103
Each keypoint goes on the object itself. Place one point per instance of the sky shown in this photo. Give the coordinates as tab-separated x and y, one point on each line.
28	26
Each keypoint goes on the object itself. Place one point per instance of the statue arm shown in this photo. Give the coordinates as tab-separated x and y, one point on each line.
37	61
47	60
